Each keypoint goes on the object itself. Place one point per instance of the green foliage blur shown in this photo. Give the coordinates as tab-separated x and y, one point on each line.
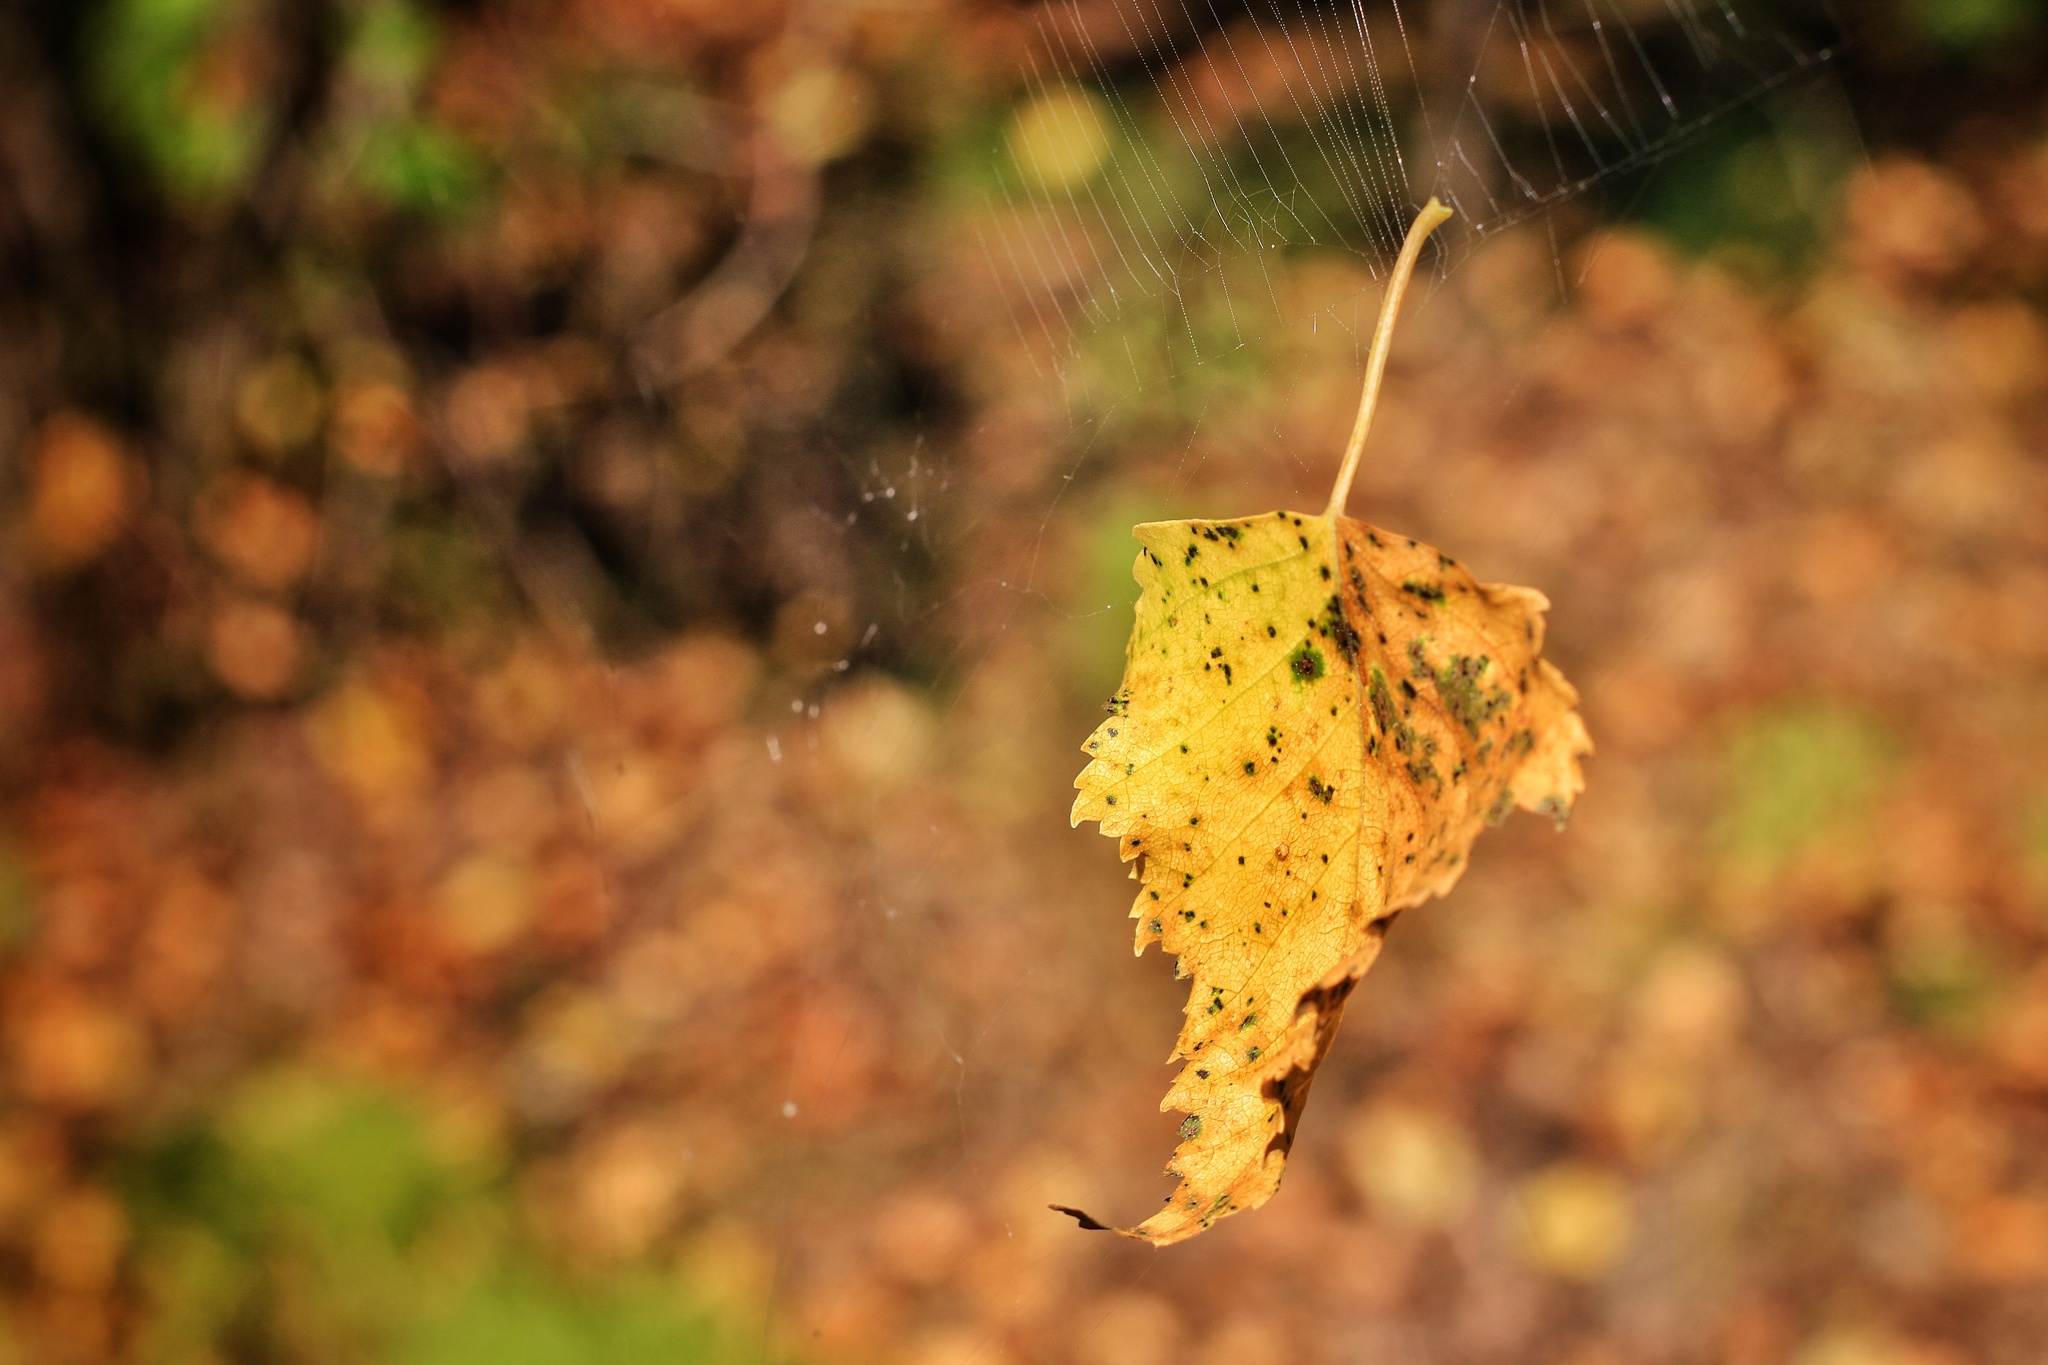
195	88
1798	776
178	79
318	1219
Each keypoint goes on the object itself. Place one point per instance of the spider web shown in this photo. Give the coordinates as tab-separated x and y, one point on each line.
1172	156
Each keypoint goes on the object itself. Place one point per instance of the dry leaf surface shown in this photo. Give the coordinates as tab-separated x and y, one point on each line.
1316	719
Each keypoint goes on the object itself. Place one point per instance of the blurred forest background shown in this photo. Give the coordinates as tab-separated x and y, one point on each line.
549	607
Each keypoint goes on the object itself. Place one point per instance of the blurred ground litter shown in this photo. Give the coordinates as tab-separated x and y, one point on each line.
535	806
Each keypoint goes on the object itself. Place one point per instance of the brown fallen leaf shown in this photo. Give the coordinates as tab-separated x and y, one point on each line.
1316	718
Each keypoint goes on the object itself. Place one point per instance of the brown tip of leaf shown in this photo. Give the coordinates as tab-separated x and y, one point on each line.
1087	1223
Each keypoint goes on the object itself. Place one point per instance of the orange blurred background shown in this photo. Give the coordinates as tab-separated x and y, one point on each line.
547	614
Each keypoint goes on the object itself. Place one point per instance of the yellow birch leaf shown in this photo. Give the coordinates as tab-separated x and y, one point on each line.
1316	719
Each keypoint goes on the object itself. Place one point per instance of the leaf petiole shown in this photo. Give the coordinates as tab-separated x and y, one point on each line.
1432	217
